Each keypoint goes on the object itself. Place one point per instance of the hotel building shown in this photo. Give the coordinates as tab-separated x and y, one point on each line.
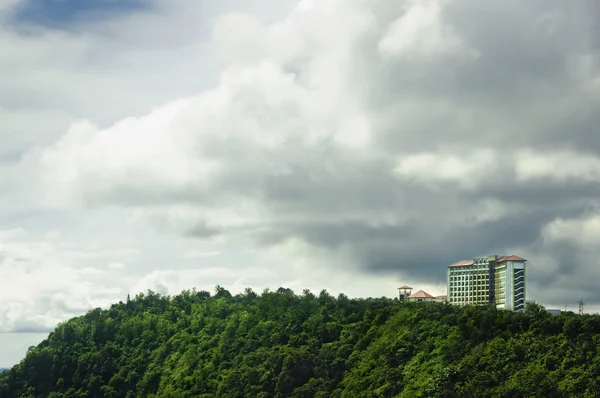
492	280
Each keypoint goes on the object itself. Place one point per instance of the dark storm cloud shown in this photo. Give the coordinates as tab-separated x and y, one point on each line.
202	231
568	197
421	244
524	72
575	276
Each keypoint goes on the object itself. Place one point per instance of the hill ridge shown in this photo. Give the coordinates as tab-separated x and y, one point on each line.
279	344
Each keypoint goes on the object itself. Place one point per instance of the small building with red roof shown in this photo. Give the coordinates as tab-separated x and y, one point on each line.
404	292
441	299
421	296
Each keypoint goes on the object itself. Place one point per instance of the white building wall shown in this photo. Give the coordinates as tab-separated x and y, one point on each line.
519	265
448	290
509	293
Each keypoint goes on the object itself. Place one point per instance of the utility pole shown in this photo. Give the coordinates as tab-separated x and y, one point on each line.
581	304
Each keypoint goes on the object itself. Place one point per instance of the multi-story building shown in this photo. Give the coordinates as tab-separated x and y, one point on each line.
493	280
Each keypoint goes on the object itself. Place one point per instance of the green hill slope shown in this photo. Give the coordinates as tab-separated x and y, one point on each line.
278	344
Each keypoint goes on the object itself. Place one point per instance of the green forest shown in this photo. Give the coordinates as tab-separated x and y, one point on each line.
282	344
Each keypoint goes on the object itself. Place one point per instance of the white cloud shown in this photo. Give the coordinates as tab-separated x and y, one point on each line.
300	273
116	266
53	235
471	169
44	285
560	165
254	45
196	254
584	233
421	33
468	170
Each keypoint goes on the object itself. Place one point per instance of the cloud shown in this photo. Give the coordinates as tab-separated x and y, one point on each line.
465	170
195	254
561	165
116	266
399	138
44	285
420	33
56	14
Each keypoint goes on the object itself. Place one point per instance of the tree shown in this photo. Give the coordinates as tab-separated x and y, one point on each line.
536	311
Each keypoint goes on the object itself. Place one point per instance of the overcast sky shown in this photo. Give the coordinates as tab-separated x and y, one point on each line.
352	145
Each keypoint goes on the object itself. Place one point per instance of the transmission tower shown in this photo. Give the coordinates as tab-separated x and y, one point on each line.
581	304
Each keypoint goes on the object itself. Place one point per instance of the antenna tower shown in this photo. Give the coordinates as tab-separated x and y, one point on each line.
581	304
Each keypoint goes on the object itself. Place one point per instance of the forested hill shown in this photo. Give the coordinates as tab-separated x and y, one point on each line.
278	344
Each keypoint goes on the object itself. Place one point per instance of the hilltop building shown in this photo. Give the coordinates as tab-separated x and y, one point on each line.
494	280
405	295
404	292
441	299
421	296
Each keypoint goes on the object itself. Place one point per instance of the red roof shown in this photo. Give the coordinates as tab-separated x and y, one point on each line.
510	258
463	263
420	294
466	263
405	287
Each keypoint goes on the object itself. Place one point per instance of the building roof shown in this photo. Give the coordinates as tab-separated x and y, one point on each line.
510	258
441	297
420	294
463	263
466	263
405	287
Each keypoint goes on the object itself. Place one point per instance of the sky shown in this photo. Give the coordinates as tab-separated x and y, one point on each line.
347	145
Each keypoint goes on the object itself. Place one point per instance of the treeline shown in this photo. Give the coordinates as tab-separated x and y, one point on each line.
279	344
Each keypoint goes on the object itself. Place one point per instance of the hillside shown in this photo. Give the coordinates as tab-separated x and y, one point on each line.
278	344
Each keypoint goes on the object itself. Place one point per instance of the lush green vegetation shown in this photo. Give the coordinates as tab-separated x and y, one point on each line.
278	344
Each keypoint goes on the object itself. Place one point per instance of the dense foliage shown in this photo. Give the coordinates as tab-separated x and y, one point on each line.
279	344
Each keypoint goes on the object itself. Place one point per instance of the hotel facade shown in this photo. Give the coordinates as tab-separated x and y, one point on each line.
492	280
